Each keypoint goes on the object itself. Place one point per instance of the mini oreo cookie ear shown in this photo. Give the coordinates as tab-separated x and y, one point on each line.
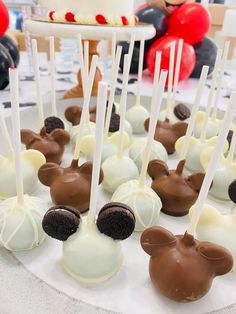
116	220
52	123
60	222
232	191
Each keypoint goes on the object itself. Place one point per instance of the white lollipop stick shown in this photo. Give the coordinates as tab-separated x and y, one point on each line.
53	80
100	119
155	110
170	78
230	156
115	70
5	133
211	96
195	107
131	49
177	68
123	104
220	81
16	139
113	47
86	59
228	117
85	108
81	61
140	71
38	83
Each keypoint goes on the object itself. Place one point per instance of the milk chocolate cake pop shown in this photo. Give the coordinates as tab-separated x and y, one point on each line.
71	185
177	191
144	202
51	145
20	215
86	239
192	265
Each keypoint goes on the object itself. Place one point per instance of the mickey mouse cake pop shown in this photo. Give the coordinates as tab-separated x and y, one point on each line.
120	168
71	185
51	145
192	265
20	216
178	191
86	240
140	197
166	132
137	114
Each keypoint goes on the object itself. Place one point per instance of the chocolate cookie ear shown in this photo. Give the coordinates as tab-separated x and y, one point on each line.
157	168
28	136
232	191
220	259
60	222
62	137
116	220
146	124
196	181
52	123
73	114
48	173
180	128
155	238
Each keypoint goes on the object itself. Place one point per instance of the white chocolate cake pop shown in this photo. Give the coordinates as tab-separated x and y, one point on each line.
20	216
91	249
212	129
137	114
144	202
118	169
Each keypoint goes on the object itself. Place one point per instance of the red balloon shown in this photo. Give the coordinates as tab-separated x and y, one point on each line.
163	44
4	18
190	22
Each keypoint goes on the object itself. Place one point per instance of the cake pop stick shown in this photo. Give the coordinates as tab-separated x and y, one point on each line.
228	117
14	91
52	70
100	118
131	49
177	68
170	79
85	107
115	69
220	81
155	110
211	96
123	104
140	70
113	47
5	132
81	61
86	59
195	107
38	83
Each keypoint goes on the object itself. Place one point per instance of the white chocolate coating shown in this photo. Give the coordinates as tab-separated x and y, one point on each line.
136	116
213	126
118	171
88	137
32	160
137	149
217	228
90	256
224	174
21	226
144	202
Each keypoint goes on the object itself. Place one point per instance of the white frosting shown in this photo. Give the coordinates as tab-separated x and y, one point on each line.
136	116
86	10
196	148
21	226
144	202
31	161
213	126
88	137
117	171
90	256
137	149
224	174
217	228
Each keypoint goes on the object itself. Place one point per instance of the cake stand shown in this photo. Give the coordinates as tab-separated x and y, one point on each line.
93	33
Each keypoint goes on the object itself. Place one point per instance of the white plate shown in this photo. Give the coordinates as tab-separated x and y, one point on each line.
130	291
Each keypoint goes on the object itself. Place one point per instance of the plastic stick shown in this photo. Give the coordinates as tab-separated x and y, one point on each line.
177	68
81	61
210	172
170	79
53	80
140	71
113	47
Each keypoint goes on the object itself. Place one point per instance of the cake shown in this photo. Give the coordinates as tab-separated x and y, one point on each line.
112	12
